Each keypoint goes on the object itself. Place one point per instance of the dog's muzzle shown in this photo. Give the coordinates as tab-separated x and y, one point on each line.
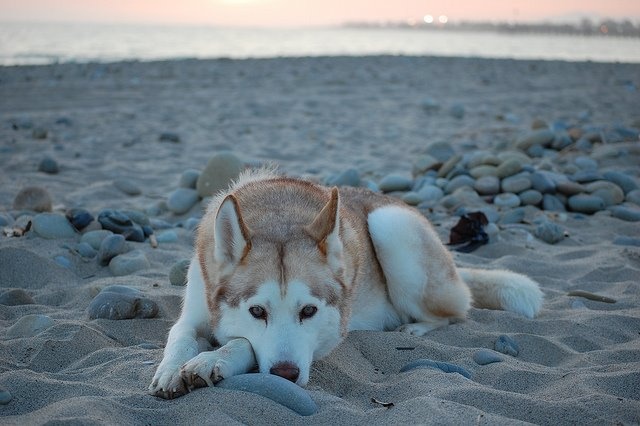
287	370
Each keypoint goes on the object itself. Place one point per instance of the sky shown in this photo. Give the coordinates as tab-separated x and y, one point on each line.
296	13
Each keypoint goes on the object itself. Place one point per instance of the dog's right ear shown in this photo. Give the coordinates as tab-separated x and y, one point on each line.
231	234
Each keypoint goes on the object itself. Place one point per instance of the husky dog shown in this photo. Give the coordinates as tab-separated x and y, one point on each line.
284	269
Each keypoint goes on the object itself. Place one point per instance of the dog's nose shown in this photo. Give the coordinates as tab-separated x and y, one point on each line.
286	370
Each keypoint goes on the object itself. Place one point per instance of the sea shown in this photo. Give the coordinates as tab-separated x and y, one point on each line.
49	43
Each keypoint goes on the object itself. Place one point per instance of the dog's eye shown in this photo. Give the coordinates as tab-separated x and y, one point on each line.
307	312
258	312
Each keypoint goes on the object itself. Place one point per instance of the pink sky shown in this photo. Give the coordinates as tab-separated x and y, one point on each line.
271	13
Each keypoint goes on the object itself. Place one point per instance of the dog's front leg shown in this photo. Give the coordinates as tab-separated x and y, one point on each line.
207	368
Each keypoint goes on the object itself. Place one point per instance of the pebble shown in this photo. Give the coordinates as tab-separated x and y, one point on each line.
275	388
39	133
585	163
16	297
516	184
610	193
583	203
430	104
487	185
458	182
586	176
79	218
506	199
437	365
486	356
633	197
561	140
182	200
424	163
178	272
483	171
549	232
541	181
128	263
391	183
110	247
52	226
127	186
507	345
349	177
189	178
63	261
512	216
119	302
441	151
457	111
508	168
570	188
537	137
33	198
5	219
627	241
624	181
120	223
625	213
86	250
191	223
412	198
449	165
530	197
167	236
219	172
5	397
552	203
29	326
94	238
48	165
430	193
169	137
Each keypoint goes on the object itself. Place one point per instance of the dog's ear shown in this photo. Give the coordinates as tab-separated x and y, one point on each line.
231	234
325	228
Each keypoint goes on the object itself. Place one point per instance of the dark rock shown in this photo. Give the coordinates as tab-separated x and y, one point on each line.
625	213
79	218
48	165
552	203
16	297
118	302
542	182
169	137
34	199
120	223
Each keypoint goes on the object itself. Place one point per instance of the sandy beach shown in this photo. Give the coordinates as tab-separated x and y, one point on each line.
135	137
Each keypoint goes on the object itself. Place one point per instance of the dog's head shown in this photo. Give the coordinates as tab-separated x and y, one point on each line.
285	295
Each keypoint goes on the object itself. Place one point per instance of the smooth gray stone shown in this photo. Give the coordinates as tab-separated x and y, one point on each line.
458	182
86	250
624	181
552	203
52	226
625	213
586	163
487	185
48	165
627	241
63	261
95	238
457	111
29	326
169	137
167	236
450	168
633	197
509	167
391	183
275	388
424	163
110	247
507	345
16	297
436	365
349	177
182	200
430	193
128	263
5	397
189	178
549	232
530	197
219	172
542	182
586	176
537	137
570	188
516	184
506	199
512	216
441	151
486	356
610	193
178	272
127	186
583	203
118	302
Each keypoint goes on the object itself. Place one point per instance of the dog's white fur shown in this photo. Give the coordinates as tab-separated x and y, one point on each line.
315	263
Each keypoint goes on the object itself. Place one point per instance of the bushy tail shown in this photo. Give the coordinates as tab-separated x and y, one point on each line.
505	290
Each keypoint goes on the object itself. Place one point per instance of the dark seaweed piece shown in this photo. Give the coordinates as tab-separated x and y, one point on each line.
469	230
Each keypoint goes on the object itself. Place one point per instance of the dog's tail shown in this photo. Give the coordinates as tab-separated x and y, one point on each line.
505	290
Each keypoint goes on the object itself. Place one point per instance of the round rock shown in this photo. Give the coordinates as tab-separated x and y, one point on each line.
5	397
275	388
52	226
625	213
95	238
483	170
349	177
530	197
48	165
33	198
391	183
537	137
516	184
584	203
16	297
127	186
79	218
552	203
110	247
29	326
549	232
430	193
182	200
487	185
189	178
624	181
610	193
128	263
509	168
458	182
486	356
119	302
507	345
178	272
542	182
219	172
507	199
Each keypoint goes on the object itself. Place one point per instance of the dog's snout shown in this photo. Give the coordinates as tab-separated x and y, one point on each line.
287	370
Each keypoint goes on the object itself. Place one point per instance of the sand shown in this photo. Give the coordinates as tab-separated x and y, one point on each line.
579	360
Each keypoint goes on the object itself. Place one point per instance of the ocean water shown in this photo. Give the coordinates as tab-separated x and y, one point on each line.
22	43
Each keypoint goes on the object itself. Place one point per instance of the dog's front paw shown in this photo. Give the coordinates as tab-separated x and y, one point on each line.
167	383
206	369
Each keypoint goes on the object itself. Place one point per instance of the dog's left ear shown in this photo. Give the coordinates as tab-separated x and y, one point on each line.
325	228
232	241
